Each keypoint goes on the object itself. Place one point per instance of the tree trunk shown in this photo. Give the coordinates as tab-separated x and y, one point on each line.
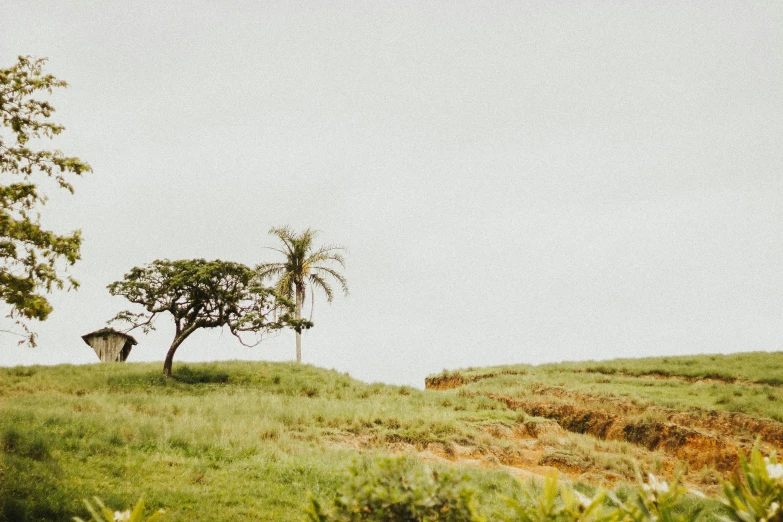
170	355
298	312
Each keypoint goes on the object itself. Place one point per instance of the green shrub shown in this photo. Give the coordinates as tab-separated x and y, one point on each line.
756	492
557	503
654	500
657	500
397	489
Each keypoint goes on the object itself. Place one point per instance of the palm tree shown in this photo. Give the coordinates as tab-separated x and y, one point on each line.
304	265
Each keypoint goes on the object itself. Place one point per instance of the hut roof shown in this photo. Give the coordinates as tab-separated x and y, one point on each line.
104	332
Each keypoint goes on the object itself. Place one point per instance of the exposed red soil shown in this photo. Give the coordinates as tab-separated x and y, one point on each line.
723	424
529	457
697	448
455	380
739	425
533	449
445	382
712	439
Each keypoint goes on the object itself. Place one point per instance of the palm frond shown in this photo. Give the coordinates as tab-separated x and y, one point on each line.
285	285
268	270
329	253
286	235
285	253
304	264
318	282
335	274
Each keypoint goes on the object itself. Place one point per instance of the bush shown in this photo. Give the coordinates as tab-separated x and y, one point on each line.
553	503
654	500
756	492
398	489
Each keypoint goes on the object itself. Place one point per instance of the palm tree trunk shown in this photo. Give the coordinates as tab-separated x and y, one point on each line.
299	298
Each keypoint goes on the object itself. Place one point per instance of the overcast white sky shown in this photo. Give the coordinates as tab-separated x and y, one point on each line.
516	182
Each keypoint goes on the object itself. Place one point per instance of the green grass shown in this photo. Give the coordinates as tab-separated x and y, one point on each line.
756	367
251	441
228	441
746	382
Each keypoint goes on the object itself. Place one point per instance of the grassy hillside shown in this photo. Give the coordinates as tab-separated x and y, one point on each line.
228	441
691	413
750	383
250	441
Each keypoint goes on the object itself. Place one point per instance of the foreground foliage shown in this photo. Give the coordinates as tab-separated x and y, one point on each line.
390	491
387	492
32	258
395	489
757	491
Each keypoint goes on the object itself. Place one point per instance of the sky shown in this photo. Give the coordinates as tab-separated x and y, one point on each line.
514	182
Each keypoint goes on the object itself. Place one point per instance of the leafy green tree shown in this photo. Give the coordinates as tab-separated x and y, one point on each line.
304	265
32	258
201	294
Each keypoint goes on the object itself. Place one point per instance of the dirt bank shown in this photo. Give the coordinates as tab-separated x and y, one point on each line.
697	448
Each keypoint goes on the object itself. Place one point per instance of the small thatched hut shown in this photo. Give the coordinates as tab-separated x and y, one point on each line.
110	345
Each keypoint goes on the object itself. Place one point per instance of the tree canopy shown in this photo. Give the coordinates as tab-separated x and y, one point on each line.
201	294
304	264
32	258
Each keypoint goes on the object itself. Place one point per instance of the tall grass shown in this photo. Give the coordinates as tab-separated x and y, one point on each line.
249	441
225	441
